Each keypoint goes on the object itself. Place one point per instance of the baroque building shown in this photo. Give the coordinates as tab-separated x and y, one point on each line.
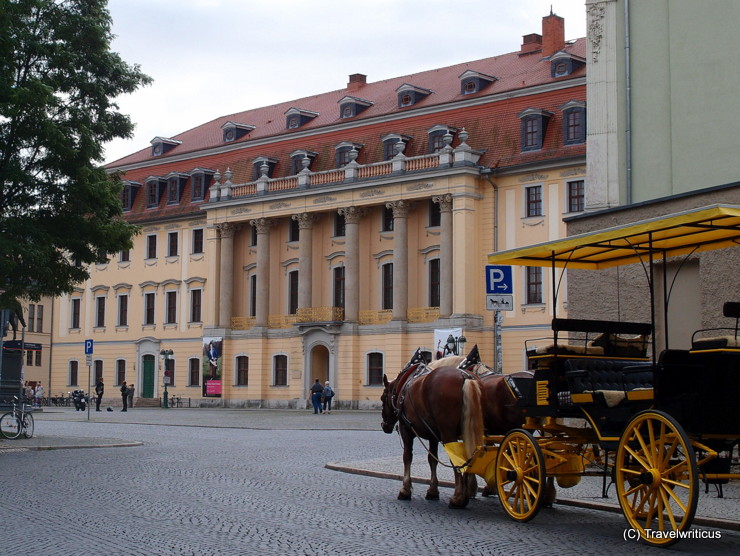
330	236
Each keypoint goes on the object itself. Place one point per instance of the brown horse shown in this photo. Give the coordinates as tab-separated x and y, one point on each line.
437	405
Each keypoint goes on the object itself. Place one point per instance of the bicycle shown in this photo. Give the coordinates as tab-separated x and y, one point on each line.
17	421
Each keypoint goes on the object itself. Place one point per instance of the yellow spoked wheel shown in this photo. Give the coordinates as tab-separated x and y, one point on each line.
520	475
656	476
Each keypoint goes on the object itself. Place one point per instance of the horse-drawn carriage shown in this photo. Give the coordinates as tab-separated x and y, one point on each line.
598	395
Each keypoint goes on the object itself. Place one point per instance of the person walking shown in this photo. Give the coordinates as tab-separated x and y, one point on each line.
99	389
131	396
39	394
327	395
316	392
124	395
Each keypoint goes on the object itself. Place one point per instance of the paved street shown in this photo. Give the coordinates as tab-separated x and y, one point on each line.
237	482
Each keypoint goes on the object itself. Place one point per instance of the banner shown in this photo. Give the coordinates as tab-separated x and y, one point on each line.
212	366
440	342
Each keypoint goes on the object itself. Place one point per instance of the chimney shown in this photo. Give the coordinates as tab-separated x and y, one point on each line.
356	81
553	34
531	43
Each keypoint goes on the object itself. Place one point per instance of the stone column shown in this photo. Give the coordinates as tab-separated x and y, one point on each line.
400	258
352	217
263	226
305	267
445	254
226	277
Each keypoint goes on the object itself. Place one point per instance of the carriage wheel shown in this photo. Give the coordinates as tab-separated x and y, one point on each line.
656	476
520	475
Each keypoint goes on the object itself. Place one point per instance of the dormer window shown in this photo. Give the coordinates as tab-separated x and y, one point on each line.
534	126
564	63
295	118
128	194
175	185
296	160
161	145
390	141
344	154
474	81
574	122
350	107
154	189
200	181
233	131
408	95
257	164
437	137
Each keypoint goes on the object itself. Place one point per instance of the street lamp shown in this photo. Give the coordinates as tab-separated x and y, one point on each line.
455	346
166	354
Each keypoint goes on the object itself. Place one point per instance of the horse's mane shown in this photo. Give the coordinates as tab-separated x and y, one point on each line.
451	361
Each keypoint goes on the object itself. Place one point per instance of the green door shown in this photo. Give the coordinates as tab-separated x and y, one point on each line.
147	378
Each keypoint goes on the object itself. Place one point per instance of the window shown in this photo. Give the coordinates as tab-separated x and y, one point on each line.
253	295
292	292
387	287
260	161
296	117
435	214
253	237
120	371
152	194
434	283
534	127
38	358
197	241
294	232
436	141
124	256
374	369
173	190
408	94
173	239
242	370
123	310
75	314
198	188
574	125
340	225
352	106
194	371
280	370
31	317
233	131
73	368
149	299
170	307
29	358
39	318
386	224
534	200
196	297
339	286
151	247
534	285
98	371
389	149
531	133
343	156
472	81
576	199
100	312
126	197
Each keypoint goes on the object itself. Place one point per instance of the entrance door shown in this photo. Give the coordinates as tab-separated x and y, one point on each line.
147	376
319	364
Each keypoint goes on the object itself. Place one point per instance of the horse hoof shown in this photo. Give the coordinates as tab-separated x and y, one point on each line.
457	505
432	496
404	496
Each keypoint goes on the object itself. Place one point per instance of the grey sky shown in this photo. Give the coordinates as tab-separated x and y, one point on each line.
211	58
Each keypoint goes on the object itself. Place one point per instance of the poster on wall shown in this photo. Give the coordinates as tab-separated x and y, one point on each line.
440	342
212	366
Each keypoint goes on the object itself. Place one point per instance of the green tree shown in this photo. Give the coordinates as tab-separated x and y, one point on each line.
59	209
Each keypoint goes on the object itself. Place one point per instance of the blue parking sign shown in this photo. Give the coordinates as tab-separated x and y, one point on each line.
88	347
498	279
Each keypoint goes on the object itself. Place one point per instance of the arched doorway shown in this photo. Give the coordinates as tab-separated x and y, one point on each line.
147	376
319	364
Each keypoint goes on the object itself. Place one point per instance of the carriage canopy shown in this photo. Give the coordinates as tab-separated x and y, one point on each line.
701	229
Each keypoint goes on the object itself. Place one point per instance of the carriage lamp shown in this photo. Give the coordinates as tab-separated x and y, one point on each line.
166	354
455	346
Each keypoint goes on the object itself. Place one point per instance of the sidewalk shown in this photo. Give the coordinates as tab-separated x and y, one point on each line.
711	511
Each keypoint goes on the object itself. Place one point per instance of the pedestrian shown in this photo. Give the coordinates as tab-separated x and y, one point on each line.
39	394
316	392
99	389
29	393
131	396
327	395
124	395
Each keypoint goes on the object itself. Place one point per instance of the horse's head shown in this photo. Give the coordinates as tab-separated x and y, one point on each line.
389	412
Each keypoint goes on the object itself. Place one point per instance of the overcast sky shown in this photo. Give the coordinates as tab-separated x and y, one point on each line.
211	58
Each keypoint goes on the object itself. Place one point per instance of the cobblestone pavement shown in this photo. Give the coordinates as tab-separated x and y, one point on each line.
236	482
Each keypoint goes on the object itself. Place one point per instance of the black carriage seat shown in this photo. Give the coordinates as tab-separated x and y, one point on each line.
612	338
606	381
721	338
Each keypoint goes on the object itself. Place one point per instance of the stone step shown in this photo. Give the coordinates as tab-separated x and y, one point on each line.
146	402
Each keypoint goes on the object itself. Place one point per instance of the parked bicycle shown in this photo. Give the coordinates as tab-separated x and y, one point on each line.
17	421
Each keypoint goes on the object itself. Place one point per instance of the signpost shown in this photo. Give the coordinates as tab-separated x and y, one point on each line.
88	359
499	288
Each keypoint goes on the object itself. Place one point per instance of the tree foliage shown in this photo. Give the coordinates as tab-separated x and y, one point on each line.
59	209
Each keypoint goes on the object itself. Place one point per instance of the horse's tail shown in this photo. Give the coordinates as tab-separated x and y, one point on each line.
472	415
